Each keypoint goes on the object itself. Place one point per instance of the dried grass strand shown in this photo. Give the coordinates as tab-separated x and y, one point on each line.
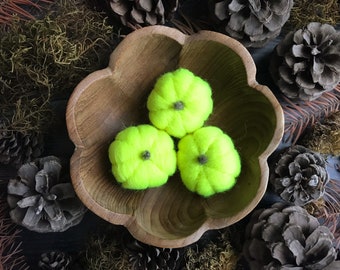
11	257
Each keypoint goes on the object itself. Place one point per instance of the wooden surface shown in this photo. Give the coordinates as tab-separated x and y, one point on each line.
109	100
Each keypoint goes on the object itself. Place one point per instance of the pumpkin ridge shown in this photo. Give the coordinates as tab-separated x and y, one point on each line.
209	166
159	167
198	137
215	185
120	145
178	87
163	91
166	102
160	172
125	177
183	93
206	181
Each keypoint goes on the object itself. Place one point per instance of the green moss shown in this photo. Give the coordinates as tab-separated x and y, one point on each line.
43	60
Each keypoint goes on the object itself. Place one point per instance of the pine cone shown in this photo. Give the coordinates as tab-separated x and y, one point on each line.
54	260
17	148
143	256
306	63
138	13
284	237
300	175
42	199
252	22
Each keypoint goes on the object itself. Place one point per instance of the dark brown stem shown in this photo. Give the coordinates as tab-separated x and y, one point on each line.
202	159
178	105
146	155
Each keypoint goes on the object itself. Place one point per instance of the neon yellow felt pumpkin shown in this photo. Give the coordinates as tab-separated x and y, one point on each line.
142	157
208	161
180	102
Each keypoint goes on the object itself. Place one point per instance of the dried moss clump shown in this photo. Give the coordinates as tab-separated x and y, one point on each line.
104	251
325	137
306	11
44	59
217	255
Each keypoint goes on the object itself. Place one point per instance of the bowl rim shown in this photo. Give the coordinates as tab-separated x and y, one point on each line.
128	220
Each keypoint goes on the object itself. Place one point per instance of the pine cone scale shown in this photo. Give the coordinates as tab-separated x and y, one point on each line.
63	191
234	6
146	5
281	253
253	26
119	7
28	201
17	188
237	23
31	217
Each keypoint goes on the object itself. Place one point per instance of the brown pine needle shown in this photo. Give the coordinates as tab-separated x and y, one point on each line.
300	116
9	9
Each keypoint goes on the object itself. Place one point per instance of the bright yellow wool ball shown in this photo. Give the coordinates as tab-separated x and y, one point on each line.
180	102
142	157
208	161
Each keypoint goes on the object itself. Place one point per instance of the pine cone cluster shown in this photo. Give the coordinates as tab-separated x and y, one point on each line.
42	199
300	175
137	13
287	237
252	22
147	257
306	63
54	260
17	148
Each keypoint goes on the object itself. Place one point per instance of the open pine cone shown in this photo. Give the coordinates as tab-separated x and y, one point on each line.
300	175
147	257
139	13
284	237
41	199
17	148
252	22
306	63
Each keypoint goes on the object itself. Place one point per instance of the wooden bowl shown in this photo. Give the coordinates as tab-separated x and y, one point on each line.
111	99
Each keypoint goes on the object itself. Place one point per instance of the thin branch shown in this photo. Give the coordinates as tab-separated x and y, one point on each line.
300	116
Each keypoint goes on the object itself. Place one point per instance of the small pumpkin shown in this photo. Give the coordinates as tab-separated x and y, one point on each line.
142	157
180	102
208	161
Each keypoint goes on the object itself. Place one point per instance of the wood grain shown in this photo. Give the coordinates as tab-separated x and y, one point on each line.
109	100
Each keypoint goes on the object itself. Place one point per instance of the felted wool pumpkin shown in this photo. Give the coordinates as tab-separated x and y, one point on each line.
208	161
142	157
180	102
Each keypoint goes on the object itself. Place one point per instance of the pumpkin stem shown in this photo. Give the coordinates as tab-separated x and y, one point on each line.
202	159
146	155
178	105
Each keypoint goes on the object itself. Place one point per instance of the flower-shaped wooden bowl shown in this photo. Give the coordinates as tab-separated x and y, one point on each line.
109	100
